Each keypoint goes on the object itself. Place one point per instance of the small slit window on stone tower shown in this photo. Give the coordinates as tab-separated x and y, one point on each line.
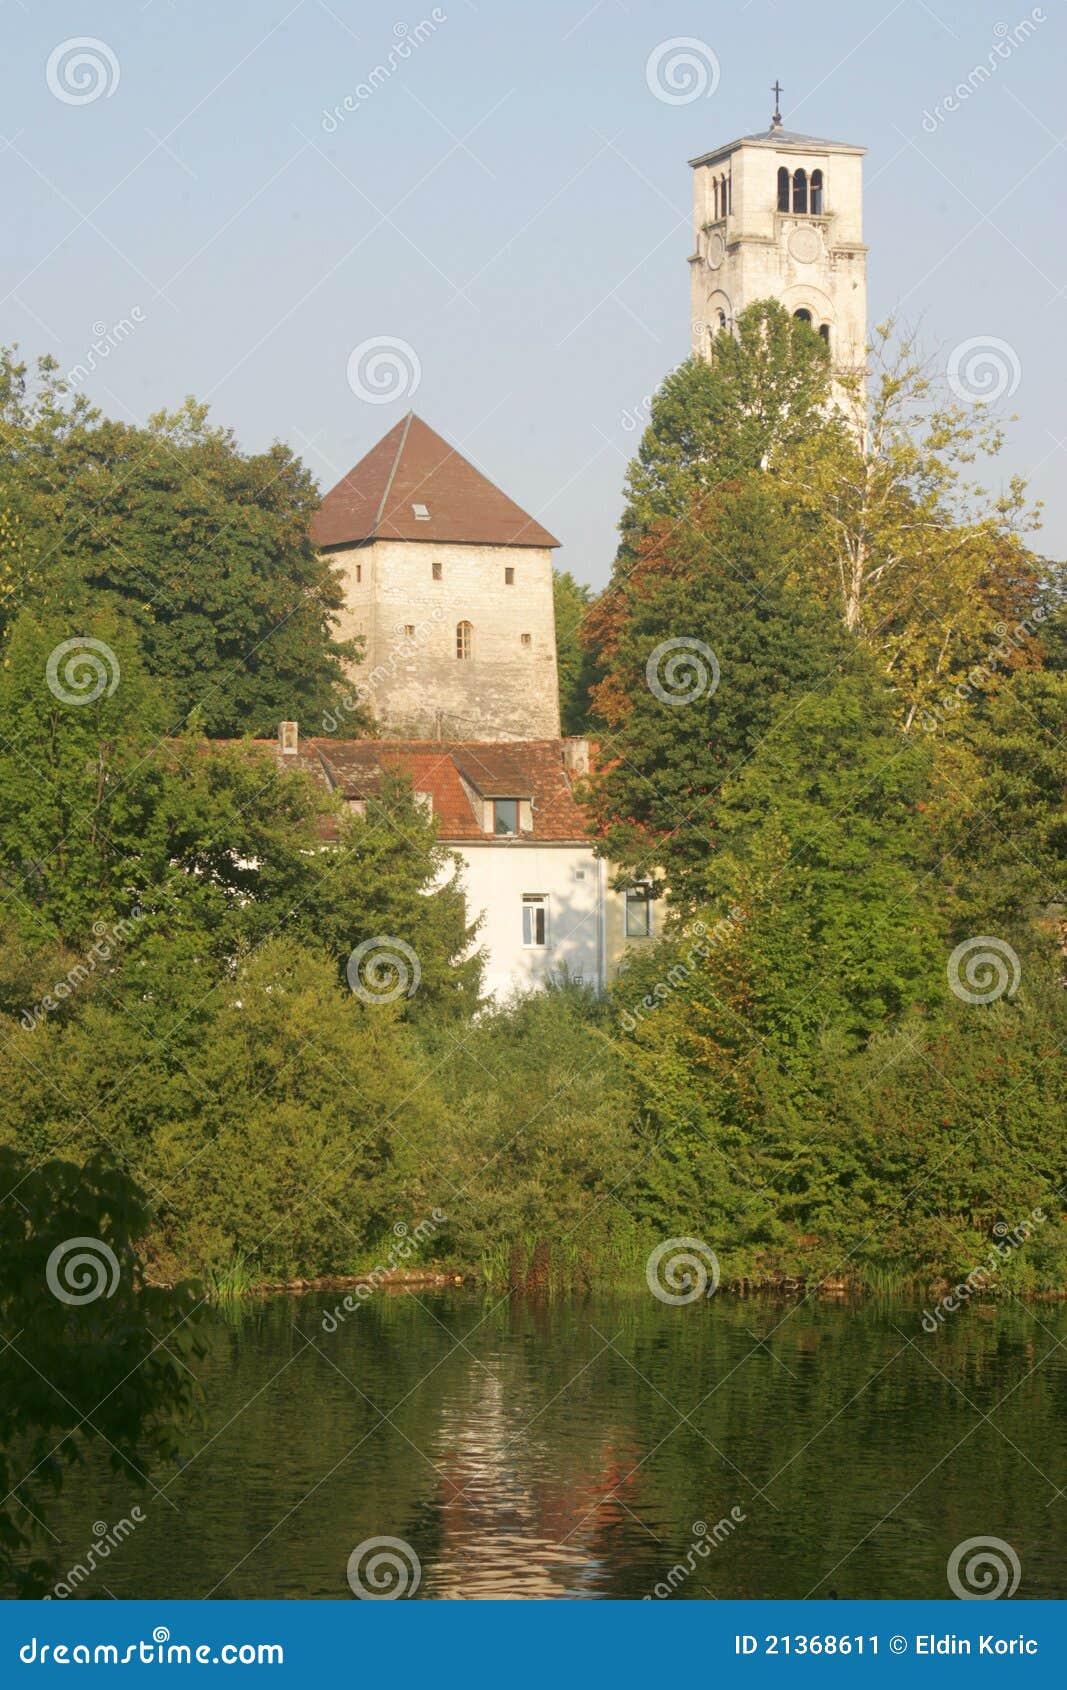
816	192
525	639
464	640
509	576
437	570
800	190
783	189
359	573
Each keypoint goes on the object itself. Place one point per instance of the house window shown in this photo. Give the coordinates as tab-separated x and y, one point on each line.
525	639
505	815
534	921
638	912
464	640
509	576
437	570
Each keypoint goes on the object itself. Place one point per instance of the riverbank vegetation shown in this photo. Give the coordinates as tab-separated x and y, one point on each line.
841	1063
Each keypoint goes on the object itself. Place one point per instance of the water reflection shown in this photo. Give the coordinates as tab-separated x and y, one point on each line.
577	1449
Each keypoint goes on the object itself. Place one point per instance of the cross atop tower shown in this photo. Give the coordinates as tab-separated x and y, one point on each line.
776	120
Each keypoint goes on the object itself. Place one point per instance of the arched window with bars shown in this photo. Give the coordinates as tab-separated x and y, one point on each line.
464	640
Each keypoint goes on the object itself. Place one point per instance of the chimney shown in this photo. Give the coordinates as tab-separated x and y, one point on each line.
576	756
288	739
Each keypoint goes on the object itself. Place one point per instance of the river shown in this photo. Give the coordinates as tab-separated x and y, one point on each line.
585	1447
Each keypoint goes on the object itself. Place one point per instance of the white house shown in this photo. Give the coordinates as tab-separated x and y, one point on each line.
509	811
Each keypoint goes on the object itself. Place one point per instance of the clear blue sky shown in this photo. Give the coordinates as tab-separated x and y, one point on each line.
512	202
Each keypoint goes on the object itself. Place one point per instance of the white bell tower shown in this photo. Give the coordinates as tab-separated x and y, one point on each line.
779	215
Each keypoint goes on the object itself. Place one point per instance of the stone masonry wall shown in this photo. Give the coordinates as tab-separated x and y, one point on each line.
415	684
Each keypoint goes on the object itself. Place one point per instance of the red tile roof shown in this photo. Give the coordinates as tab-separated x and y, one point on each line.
413	466
456	774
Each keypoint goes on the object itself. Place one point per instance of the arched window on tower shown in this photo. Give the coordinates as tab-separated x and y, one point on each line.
816	192
715	186
804	315
800	190
724	195
783	189
721	319
464	640
824	332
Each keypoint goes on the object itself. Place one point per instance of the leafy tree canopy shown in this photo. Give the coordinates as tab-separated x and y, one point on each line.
206	549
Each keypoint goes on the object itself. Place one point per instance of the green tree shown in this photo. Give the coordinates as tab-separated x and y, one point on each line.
915	555
704	646
204	548
571	600
763	391
216	847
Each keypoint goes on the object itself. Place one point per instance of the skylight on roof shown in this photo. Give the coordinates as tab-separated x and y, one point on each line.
420	513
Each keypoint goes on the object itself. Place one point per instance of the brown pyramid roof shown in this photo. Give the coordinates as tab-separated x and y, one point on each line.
413	468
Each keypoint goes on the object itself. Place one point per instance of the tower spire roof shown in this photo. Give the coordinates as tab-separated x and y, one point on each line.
414	486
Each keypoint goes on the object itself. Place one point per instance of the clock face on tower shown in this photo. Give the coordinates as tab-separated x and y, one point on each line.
805	246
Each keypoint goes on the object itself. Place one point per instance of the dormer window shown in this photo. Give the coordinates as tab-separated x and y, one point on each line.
505	816
421	513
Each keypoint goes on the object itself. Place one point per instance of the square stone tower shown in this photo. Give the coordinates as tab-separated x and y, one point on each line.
449	585
779	215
